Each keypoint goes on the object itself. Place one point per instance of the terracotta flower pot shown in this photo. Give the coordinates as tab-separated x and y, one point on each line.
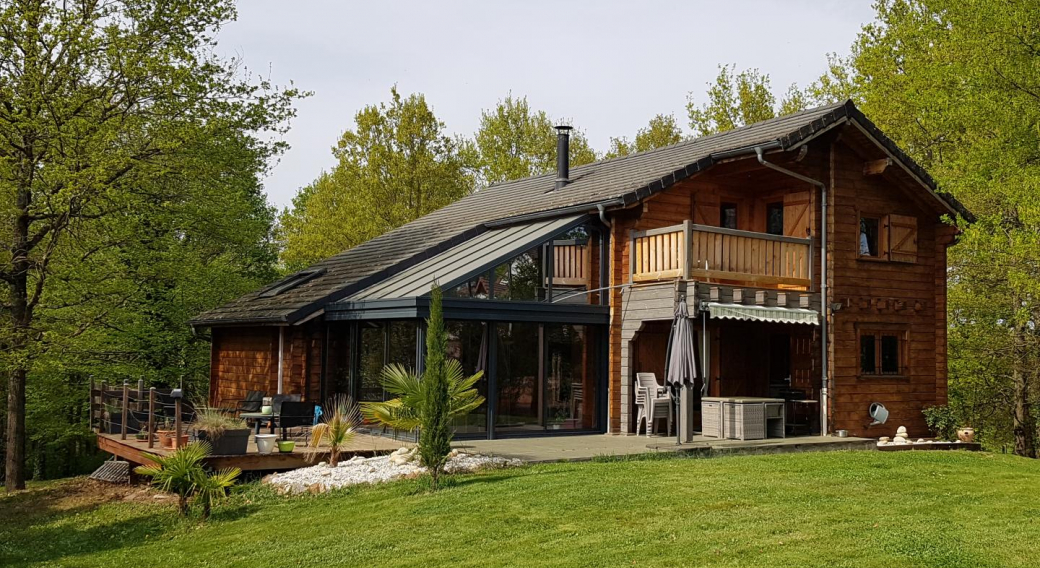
966	435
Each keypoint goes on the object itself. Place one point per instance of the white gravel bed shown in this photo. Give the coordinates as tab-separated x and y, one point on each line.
399	465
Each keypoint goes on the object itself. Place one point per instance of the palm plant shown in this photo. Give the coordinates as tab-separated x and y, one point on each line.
211	487
182	472
339	421
404	411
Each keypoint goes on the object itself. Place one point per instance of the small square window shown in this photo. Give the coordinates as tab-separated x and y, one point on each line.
775	218
881	351
869	229
728	215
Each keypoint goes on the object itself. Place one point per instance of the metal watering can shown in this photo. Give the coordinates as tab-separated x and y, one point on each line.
879	413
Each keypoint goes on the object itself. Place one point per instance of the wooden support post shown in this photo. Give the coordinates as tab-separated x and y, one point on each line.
687	258
781	299
760	297
177	424
151	418
101	407
126	401
631	257
738	296
140	395
90	405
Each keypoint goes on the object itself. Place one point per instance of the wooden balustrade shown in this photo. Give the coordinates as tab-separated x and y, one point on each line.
721	255
570	263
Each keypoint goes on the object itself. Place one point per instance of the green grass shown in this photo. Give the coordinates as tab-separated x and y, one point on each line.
859	509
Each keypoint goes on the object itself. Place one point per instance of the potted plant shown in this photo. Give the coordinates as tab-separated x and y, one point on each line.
228	435
966	434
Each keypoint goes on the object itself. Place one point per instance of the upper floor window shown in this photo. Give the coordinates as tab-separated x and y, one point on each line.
775	218
728	215
888	237
869	236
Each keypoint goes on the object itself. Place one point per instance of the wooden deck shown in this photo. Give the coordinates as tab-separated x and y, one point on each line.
134	451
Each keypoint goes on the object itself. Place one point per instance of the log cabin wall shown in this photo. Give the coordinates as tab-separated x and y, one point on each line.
744	182
246	358
903	297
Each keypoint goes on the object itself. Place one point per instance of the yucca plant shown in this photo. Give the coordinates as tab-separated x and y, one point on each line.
182	473
339	421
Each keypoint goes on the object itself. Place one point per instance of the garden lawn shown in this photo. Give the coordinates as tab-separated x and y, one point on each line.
859	509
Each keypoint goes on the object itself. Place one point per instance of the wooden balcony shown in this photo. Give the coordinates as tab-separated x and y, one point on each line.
725	256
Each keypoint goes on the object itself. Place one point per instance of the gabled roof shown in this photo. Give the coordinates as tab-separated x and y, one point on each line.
614	182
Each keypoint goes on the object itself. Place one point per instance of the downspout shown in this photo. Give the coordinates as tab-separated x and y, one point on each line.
281	350
823	276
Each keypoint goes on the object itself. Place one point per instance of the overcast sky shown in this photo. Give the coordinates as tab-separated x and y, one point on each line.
607	66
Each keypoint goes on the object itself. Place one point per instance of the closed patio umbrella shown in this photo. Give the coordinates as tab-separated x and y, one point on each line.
681	363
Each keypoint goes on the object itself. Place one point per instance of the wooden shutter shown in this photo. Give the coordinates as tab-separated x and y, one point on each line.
902	238
796	214
706	209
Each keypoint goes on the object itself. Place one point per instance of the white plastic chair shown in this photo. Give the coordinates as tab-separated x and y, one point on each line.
653	402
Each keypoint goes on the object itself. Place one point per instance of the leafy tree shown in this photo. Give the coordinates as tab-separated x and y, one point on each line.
955	84
515	142
739	99
103	103
397	165
663	130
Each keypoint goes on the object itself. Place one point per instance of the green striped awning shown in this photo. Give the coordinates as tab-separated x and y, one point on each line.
763	313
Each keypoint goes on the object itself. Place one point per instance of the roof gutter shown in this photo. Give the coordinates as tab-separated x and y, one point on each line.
746	151
760	153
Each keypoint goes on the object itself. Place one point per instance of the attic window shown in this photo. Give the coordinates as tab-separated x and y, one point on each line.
290	282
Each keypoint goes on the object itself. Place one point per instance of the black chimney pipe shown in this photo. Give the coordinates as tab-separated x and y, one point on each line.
563	160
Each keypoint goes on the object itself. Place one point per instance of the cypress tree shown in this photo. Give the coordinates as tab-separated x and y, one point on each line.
435	434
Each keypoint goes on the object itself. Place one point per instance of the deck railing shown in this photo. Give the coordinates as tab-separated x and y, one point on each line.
721	255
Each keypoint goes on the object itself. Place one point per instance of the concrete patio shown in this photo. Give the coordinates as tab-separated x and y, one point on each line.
586	447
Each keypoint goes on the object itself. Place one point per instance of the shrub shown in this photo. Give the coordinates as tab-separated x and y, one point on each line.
942	421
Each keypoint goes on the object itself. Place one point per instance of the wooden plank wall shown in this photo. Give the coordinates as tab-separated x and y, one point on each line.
911	295
246	358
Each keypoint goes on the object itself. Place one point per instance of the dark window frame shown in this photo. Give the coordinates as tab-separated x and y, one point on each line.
881	355
878	253
779	206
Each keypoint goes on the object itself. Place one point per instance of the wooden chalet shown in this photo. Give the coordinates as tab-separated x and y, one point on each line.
810	250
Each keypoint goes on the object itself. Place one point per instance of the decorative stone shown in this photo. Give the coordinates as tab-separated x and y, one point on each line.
901	430
884	439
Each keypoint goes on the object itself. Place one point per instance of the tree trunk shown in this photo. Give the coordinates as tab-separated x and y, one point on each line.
1025	428
14	468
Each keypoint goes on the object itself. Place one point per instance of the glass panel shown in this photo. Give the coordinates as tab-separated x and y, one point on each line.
371	362
571	378
519	404
403	343
728	216
337	375
890	354
775	218
468	344
475	288
500	281
868	236
524	277
867	354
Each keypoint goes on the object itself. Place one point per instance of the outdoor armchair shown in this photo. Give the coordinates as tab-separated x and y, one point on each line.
652	401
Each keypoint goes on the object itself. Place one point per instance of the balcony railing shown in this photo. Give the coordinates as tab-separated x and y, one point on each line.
721	255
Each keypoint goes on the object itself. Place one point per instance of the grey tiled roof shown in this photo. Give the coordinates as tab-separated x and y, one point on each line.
626	179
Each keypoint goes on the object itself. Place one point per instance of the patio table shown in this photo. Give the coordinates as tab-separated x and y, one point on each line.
259	418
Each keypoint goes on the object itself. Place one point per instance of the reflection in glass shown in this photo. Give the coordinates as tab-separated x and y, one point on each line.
468	344
371	357
572	372
519	404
